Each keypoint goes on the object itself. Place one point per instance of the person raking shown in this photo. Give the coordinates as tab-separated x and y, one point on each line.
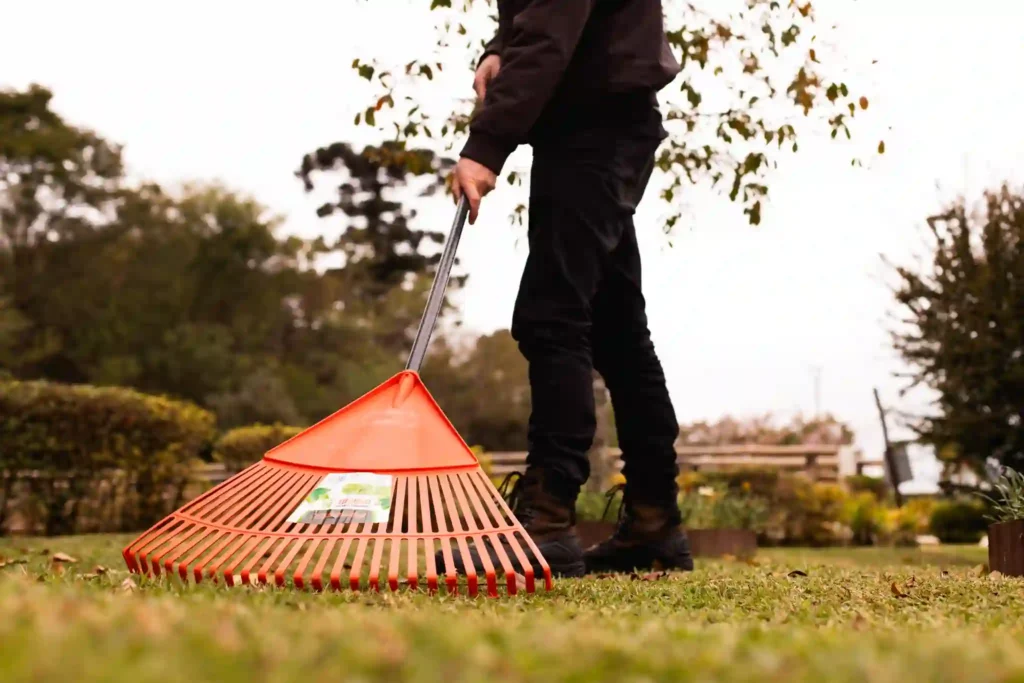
578	80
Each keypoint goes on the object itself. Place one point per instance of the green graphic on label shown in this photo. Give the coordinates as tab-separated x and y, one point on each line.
347	497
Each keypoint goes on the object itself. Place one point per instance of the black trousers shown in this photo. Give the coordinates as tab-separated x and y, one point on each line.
580	308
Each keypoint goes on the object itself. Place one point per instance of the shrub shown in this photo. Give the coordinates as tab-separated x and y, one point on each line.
866	518
902	526
864	484
76	458
710	508
241	447
959	521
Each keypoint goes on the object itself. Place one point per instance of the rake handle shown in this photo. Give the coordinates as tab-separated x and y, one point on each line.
437	290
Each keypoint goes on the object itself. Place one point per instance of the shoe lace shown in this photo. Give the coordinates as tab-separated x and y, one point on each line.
610	498
511	481
511	489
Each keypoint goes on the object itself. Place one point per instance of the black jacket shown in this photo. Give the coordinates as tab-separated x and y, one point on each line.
561	56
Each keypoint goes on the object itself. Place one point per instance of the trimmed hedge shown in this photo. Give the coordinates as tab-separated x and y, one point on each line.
81	458
959	521
243	446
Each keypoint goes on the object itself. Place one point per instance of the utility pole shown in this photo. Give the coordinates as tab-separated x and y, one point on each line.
890	457
816	371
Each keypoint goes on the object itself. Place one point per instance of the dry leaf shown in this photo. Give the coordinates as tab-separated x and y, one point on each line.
44	551
897	592
912	582
995	575
945	573
728	558
981	570
99	570
752	561
63	557
128	586
796	572
650	576
605	576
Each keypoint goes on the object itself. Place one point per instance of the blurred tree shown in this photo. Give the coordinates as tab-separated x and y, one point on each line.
752	77
962	331
484	388
766	431
193	293
379	244
57	182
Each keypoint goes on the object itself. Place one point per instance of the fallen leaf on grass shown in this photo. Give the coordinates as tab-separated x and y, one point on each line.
912	582
605	576
44	551
63	557
128	586
945	574
981	570
795	573
752	561
995	575
651	576
96	572
897	592
728	558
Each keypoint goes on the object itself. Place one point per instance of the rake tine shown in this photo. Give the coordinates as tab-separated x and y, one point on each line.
479	483
468	565
339	563
357	562
296	545
485	557
428	528
413	528
451	581
396	524
297	577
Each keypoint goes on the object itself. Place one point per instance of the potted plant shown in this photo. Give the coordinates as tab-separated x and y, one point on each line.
1006	533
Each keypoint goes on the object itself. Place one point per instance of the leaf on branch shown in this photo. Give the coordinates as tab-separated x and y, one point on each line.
366	71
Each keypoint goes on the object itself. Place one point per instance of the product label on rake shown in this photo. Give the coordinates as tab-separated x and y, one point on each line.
346	497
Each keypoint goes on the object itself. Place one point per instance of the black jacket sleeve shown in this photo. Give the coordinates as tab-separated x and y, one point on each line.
535	50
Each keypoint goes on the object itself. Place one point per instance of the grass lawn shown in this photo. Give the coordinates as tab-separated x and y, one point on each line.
857	615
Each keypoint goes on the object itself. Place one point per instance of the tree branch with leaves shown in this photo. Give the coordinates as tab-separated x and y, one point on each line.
755	81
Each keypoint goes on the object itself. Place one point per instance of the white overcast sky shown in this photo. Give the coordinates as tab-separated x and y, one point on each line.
238	91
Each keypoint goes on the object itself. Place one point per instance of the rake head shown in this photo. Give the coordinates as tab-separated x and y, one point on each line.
308	511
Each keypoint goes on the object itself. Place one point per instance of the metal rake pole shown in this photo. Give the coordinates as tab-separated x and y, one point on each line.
436	297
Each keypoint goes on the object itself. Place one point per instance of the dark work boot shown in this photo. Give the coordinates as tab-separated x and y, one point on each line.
548	518
648	537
